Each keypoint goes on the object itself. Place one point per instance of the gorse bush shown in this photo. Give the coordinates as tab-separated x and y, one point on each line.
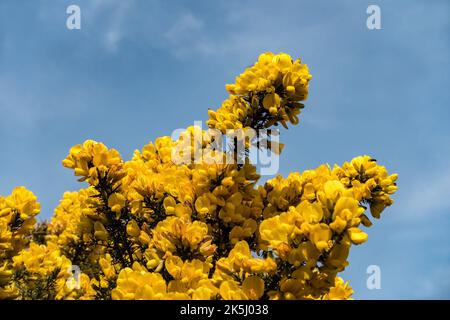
150	228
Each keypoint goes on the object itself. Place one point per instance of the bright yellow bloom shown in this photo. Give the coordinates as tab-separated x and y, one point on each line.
357	235
116	202
100	232
253	287
133	229
176	221
139	285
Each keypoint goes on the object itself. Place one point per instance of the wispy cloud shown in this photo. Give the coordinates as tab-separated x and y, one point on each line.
107	20
188	35
184	29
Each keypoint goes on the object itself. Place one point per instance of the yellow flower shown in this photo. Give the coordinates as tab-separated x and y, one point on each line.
92	158
357	235
133	229
320	234
230	290
107	266
272	102
340	291
253	287
312	213
100	232
338	224
203	205
116	202
169	205
306	253
277	229
139	285
174	265
245	231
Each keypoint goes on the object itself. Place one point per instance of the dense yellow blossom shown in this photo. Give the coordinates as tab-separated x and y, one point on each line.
265	94
177	222
17	220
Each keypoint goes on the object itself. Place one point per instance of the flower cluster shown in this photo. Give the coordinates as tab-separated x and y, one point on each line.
266	94
17	220
155	228
313	219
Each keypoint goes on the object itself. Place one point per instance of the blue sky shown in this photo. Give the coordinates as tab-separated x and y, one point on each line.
139	69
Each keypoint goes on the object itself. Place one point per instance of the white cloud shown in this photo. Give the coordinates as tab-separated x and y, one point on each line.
188	35
183	29
115	14
112	39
